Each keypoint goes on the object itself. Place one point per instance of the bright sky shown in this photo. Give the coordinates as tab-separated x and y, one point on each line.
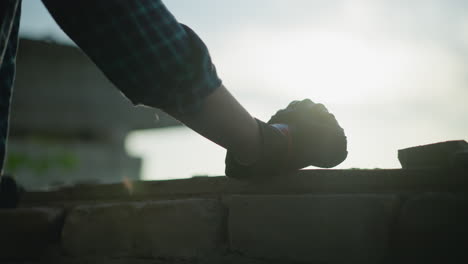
394	72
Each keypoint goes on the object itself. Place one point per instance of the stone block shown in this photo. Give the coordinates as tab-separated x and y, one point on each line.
312	228
432	228
178	228
447	154
26	233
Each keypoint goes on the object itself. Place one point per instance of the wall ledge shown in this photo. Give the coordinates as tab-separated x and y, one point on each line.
301	182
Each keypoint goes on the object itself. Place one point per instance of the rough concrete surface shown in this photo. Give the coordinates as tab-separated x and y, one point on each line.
26	233
212	259
182	228
312	228
432	228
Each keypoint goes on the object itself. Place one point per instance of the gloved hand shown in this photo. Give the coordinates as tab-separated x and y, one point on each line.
301	135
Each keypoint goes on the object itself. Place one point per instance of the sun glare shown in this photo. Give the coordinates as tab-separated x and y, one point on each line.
333	67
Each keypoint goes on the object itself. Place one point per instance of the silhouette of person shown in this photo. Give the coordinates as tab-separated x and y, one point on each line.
158	62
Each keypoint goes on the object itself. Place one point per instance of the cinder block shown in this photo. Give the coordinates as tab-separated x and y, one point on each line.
179	228
312	228
26	233
448	154
432	228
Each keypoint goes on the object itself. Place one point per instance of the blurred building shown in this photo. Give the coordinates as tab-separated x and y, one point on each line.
68	122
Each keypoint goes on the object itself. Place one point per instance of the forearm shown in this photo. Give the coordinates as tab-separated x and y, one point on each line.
224	121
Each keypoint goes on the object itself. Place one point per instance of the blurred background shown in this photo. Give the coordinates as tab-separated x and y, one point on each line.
394	73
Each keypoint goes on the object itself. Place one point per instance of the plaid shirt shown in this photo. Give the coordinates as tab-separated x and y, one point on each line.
9	25
139	45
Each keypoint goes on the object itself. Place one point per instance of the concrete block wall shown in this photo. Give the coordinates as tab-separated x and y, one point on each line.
178	228
312	228
236	227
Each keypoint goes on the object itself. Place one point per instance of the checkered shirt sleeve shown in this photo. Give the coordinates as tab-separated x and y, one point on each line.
140	46
9	26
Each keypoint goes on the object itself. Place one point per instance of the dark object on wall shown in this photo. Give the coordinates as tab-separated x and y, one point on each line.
449	154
